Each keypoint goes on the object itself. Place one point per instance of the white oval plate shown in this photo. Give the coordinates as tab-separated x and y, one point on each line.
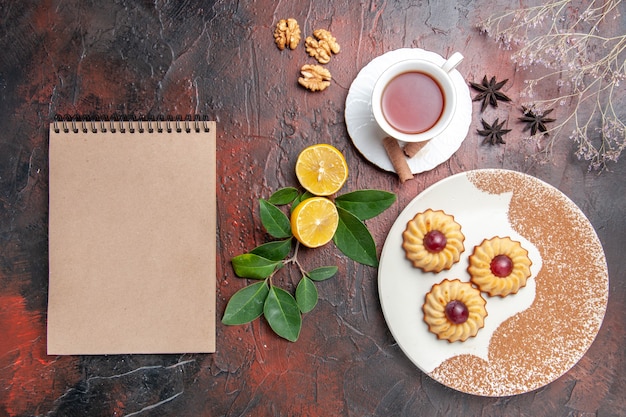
367	136
530	338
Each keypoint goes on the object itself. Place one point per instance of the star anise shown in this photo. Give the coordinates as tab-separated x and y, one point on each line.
493	132
490	92
535	120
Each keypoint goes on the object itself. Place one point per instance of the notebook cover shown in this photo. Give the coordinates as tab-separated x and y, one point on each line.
132	237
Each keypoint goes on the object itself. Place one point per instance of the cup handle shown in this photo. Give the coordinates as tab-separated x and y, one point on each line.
452	62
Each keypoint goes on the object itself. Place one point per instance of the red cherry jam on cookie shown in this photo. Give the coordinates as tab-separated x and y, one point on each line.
457	312
501	266
435	241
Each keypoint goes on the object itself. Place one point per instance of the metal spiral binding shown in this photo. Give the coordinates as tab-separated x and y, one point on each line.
129	123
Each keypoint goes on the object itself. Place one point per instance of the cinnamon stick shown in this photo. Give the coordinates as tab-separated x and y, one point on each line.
398	160
412	148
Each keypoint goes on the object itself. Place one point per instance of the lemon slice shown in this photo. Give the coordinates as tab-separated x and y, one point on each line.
321	169
314	221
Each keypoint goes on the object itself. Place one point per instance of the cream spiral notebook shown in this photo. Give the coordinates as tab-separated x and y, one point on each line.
132	236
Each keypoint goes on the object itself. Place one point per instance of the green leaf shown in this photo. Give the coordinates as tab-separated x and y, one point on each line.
274	251
274	220
283	314
254	266
366	204
354	240
246	304
306	295
283	196
300	199
322	273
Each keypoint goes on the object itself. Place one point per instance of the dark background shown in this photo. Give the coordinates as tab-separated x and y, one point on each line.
219	59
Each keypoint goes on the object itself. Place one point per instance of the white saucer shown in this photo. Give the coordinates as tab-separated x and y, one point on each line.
367	136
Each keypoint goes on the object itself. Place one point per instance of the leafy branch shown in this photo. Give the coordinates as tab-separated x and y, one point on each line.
282	310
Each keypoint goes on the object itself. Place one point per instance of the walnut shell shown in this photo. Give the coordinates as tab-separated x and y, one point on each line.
287	34
314	77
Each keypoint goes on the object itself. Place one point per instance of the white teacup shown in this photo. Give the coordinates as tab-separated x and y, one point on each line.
414	100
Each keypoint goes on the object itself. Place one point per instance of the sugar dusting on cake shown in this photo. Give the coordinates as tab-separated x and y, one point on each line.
538	345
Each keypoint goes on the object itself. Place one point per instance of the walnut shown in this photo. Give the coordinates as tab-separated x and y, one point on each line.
326	36
314	77
320	51
287	33
322	46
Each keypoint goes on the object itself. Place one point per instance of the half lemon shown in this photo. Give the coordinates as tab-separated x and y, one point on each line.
321	169
314	221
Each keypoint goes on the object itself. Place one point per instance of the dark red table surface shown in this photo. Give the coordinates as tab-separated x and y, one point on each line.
218	58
